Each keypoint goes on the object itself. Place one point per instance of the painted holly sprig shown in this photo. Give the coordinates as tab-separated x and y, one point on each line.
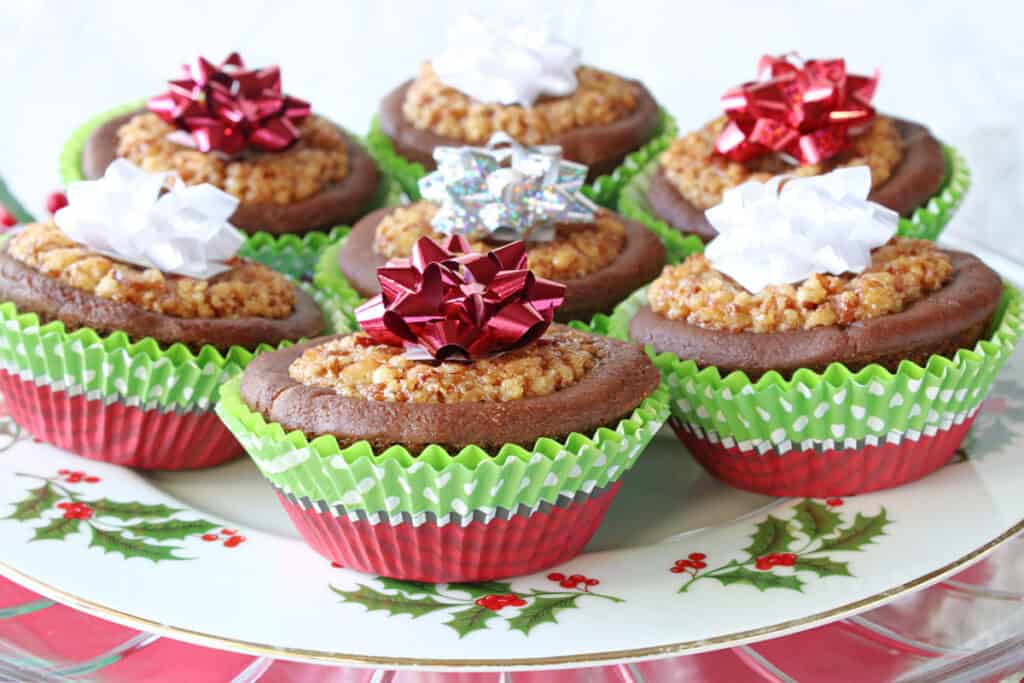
803	544
129	528
472	607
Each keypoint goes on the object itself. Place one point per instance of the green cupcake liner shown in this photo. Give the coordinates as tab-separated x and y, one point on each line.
327	278
604	190
435	481
293	255
925	223
113	367
836	404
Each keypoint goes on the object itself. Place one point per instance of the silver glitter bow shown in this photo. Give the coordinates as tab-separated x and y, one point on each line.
506	191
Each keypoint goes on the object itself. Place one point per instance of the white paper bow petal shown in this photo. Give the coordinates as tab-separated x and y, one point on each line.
479	197
124	215
774	233
490	62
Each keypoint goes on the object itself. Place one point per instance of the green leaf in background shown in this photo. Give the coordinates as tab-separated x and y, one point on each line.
57	529
478	590
170	529
542	610
115	541
131	510
392	604
762	581
409	587
466	621
864	530
36	502
823	566
815	518
772	536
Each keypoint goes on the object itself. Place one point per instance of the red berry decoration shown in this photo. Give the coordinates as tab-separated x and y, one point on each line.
556	576
495	602
63	472
64	506
7	218
91	480
234	541
229	532
336	565
78	511
699	565
55	201
763	564
591	582
567	584
577	578
209	537
697	557
677	569
834	502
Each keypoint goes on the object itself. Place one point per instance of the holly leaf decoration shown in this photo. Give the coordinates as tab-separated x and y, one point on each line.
409	587
170	529
815	519
864	530
131	510
114	541
392	604
772	536
36	502
823	566
762	581
474	618
542	610
57	529
478	590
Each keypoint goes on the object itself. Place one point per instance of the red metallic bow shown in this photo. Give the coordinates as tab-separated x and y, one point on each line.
227	108
460	305
806	110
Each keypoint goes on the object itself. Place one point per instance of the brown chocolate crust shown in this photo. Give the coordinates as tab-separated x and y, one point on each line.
948	319
639	262
336	204
50	299
914	181
601	148
609	392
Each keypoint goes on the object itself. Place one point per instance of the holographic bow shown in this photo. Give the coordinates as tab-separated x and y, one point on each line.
481	196
804	110
227	108
447	302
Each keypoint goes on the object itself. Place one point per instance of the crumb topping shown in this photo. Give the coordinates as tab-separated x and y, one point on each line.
319	158
357	367
902	272
247	290
578	249
599	99
702	177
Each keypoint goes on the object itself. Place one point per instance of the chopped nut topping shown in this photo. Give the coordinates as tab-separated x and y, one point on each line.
319	158
247	290
357	367
902	272
578	248
702	177
599	99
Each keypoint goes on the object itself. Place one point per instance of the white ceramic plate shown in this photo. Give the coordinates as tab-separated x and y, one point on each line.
209	557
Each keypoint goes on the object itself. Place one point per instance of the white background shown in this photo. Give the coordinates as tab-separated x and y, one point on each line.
958	67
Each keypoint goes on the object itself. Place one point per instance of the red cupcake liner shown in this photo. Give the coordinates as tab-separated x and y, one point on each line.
822	473
452	553
118	433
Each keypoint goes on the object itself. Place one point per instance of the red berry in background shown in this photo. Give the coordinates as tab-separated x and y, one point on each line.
91	480
556	576
209	537
228	532
699	565
63	472
677	569
234	541
567	584
576	578
337	565
763	563
7	218
834	502
64	506
55	201
591	582
697	557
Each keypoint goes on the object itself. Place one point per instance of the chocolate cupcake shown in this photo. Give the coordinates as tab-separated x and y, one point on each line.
291	170
537	91
125	313
804	119
456	403
814	353
498	193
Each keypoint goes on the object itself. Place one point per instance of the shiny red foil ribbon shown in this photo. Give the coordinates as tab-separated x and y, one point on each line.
229	108
457	304
806	110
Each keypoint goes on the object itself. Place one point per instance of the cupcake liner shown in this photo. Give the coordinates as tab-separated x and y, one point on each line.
117	432
604	190
291	254
927	222
327	278
461	550
436	483
837	410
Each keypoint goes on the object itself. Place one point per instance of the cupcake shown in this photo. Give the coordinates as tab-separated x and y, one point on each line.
499	193
124	313
459	436
801	119
811	352
537	91
291	170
